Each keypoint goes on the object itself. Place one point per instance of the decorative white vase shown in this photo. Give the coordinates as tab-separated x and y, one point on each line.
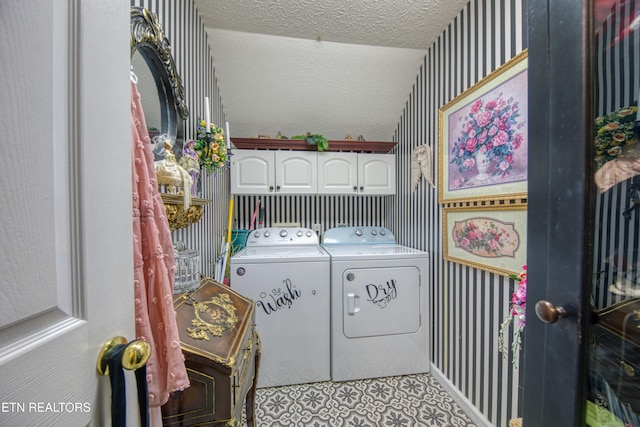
482	164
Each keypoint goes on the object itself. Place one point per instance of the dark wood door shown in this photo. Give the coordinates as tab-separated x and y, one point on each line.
583	228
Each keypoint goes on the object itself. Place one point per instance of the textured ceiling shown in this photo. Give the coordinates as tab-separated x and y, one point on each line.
331	67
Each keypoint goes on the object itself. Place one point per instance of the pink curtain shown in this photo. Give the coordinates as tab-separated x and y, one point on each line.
154	268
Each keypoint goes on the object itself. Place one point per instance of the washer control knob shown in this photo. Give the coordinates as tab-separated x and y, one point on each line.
256	234
267	234
383	233
374	232
358	232
350	277
309	233
299	233
283	233
240	271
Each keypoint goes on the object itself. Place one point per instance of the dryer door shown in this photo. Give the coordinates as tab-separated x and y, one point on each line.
381	301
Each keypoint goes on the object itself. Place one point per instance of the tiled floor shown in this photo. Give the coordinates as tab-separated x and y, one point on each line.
406	401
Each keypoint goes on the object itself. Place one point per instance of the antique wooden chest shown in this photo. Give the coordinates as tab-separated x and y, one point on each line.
615	358
222	356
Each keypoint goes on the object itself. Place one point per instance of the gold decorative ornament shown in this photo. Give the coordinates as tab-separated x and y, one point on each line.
180	218
177	216
212	317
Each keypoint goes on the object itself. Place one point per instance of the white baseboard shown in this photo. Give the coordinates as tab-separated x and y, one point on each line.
472	412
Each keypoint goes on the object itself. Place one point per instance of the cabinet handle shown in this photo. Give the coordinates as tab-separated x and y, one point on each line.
355	188
271	188
277	188
361	188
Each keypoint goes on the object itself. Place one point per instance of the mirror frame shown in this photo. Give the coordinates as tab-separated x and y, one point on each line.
149	40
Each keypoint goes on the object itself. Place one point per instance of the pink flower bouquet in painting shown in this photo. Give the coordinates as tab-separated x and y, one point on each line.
491	129
517	316
485	237
483	137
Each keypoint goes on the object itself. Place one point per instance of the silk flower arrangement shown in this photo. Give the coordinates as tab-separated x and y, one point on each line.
517	314
212	152
617	152
615	133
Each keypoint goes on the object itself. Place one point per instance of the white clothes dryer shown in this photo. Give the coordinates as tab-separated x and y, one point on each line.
286	272
378	304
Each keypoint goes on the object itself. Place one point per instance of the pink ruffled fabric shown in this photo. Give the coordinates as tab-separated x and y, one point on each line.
154	268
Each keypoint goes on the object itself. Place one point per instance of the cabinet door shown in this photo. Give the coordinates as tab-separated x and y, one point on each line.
252	172
337	173
376	174
296	172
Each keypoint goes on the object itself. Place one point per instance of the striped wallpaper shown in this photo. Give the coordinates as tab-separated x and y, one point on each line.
184	29
328	211
617	86
467	304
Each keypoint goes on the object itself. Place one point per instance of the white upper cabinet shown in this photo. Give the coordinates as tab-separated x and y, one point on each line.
253	172
338	173
296	172
273	172
356	173
376	174
307	172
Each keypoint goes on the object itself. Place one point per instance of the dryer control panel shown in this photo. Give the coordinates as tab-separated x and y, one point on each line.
282	236
358	236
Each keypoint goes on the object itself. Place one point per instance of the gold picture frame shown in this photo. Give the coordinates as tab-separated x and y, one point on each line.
482	138
492	238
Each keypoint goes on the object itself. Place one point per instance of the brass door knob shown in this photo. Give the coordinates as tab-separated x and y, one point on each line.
548	312
135	355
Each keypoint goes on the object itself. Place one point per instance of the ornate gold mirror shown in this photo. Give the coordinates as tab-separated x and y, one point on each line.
160	86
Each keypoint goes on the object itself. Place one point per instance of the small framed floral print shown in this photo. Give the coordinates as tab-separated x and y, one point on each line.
492	238
482	140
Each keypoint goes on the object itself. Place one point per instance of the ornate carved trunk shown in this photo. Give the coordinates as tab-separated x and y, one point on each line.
222	355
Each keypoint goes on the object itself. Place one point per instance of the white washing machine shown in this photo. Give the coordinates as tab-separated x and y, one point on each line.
286	272
378	304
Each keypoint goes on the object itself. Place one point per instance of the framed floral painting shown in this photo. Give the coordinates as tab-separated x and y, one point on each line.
490	238
482	141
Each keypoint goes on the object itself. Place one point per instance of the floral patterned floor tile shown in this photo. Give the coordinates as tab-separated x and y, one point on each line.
404	401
